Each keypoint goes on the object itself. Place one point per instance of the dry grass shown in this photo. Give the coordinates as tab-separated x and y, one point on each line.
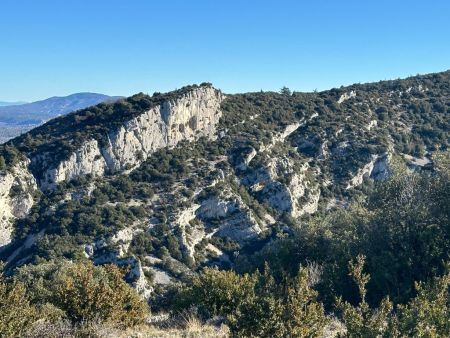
196	330
64	329
186	325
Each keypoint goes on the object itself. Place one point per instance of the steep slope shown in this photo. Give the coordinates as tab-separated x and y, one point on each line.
191	115
16	198
169	183
95	141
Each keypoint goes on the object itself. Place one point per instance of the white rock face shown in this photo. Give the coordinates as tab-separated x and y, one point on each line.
229	216
416	163
123	240
269	181
311	205
361	174
247	159
86	160
160	277
301	187
140	282
189	240
29	241
214	208
381	168
346	96
222	213
287	132
287	198
297	196
377	168
281	136
191	116
278	196
16	198
324	152
372	124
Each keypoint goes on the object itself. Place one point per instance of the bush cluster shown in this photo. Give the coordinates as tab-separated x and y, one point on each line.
77	292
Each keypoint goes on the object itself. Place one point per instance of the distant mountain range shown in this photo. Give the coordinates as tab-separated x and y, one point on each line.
41	111
16	118
2	103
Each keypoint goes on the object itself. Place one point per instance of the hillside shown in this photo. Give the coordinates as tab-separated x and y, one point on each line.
171	183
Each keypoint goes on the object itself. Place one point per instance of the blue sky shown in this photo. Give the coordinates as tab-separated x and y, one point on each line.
116	47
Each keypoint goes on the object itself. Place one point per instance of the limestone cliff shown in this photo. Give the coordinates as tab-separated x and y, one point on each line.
193	115
189	117
16	198
86	160
377	168
286	189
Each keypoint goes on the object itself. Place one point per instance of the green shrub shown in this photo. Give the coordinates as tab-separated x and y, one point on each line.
362	321
255	305
16	313
218	292
428	314
84	292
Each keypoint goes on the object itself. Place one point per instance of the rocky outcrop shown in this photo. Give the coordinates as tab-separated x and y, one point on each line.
416	163
221	212
17	187
214	207
286	132
122	239
377	169
372	124
381	168
28	243
139	281
195	234
282	136
311	203
226	215
299	197
193	115
86	160
100	252
247	158
284	185
160	277
346	96
363	172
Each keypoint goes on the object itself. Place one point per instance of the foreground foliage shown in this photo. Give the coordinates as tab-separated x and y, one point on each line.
397	243
256	306
402	228
16	312
78	293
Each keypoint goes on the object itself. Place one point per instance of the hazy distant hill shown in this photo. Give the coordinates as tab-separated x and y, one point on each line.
41	111
2	103
17	118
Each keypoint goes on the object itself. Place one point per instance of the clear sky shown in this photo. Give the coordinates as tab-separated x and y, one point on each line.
122	47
